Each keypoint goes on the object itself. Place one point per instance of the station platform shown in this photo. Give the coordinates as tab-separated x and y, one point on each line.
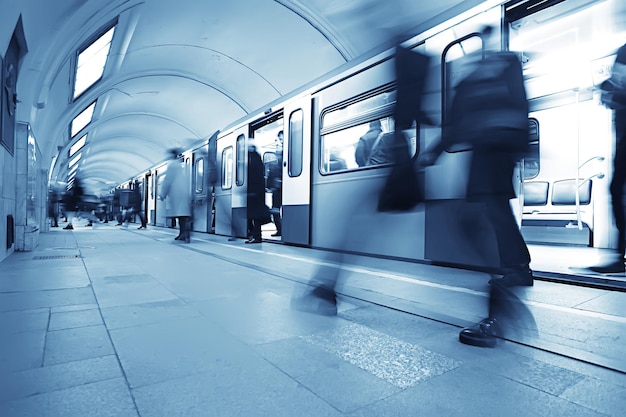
113	321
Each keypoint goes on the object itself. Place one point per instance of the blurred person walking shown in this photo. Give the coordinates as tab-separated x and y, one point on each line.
400	192
176	192
614	97
72	200
135	208
490	112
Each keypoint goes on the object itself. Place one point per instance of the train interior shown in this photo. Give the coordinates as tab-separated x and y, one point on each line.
567	52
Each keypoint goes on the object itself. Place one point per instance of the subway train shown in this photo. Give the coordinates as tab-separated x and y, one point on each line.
567	49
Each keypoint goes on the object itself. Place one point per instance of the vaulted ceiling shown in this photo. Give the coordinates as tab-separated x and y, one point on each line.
180	70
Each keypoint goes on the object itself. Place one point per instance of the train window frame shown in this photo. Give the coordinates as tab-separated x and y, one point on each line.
447	87
241	160
227	168
199	175
361	119
534	151
295	155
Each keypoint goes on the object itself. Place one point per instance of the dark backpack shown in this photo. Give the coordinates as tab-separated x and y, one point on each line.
489	109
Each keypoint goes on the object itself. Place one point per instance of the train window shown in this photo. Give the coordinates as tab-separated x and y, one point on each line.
459	58
531	161
227	168
377	103
242	160
296	143
199	175
364	145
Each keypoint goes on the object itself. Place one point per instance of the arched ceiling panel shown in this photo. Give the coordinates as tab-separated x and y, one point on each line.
179	70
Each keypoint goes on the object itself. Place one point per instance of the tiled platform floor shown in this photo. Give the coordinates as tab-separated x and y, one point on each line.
125	322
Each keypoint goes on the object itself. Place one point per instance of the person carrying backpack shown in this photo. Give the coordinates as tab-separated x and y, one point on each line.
490	112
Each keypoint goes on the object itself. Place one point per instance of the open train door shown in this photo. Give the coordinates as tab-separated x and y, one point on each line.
239	202
296	209
230	191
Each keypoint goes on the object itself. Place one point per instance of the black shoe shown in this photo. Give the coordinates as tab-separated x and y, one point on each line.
69	227
141	227
254	241
515	279
612	268
483	334
177	237
321	301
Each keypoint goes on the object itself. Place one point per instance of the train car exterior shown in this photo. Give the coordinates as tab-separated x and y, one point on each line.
329	197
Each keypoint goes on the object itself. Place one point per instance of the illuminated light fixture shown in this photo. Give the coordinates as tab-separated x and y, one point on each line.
91	61
78	145
75	160
83	119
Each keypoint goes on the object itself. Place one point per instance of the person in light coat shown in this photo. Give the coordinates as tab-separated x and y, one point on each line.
176	191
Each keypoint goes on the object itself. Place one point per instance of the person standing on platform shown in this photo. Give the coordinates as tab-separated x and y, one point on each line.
176	189
136	205
275	184
53	207
72	201
257	211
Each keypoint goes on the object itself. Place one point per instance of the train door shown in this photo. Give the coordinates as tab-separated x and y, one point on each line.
231	176
567	49
150	198
296	210
268	134
239	202
200	190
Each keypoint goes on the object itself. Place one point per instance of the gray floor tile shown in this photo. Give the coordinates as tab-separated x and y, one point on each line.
176	348
262	317
471	391
259	392
74	307
147	313
119	290
296	357
72	319
39	299
61	376
23	321
23	350
48	277
75	344
542	376
331	384
598	395
100	399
